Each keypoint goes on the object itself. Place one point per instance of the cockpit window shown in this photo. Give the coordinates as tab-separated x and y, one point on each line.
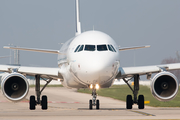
113	48
89	47
110	48
81	48
101	47
77	48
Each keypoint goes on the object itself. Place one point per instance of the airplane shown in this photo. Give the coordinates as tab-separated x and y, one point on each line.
89	60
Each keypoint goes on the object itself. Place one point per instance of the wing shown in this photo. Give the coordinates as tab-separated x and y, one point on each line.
53	73
145	70
133	48
4	56
34	49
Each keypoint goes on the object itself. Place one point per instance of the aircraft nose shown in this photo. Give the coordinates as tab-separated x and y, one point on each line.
95	69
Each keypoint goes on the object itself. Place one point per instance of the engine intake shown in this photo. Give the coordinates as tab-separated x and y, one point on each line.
14	86
164	86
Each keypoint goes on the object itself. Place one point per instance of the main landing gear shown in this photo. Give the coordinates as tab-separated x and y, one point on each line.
129	100
43	102
94	101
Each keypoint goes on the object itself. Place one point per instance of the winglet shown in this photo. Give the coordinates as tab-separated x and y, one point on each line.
78	24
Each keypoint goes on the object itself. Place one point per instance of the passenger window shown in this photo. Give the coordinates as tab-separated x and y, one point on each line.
81	48
110	48
89	47
77	48
113	48
101	47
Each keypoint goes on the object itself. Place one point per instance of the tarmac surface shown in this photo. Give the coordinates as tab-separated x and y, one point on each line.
67	104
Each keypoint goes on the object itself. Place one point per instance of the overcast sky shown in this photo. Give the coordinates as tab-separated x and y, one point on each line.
45	23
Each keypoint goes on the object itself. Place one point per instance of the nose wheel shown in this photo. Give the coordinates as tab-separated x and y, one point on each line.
97	104
94	101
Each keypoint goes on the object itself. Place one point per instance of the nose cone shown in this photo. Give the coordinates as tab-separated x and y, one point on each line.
95	68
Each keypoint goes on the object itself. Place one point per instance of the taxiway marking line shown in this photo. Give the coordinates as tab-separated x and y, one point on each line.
142	113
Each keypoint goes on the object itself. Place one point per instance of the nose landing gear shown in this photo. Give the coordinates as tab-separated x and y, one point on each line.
94	101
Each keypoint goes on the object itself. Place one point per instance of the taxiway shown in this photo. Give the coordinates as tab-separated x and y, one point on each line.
67	104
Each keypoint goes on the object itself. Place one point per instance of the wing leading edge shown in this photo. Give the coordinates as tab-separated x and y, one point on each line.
53	73
133	48
34	50
145	70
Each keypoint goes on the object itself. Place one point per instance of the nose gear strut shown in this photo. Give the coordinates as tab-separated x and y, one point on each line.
94	101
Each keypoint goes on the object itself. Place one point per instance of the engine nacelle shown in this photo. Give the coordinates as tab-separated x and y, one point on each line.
164	86
14	86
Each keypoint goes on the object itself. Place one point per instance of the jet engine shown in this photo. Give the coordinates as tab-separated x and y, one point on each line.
14	86
164	86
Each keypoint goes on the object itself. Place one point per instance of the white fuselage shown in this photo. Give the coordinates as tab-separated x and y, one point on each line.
90	58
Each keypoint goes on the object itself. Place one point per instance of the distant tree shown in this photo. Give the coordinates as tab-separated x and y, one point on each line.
173	60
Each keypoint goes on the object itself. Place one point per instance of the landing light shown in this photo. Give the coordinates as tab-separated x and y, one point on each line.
91	86
94	87
97	86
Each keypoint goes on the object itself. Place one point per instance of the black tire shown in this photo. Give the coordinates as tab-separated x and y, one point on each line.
44	103
32	103
141	102
97	104
90	104
129	102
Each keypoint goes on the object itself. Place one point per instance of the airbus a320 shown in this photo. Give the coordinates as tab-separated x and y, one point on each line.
89	60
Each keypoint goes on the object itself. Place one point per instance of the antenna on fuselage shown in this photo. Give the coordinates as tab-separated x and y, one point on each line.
78	24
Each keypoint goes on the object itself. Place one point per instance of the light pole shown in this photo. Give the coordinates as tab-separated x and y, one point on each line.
178	56
134	57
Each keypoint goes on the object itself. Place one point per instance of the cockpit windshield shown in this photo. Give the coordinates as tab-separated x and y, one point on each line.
109	47
89	47
77	48
81	48
112	48
102	47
